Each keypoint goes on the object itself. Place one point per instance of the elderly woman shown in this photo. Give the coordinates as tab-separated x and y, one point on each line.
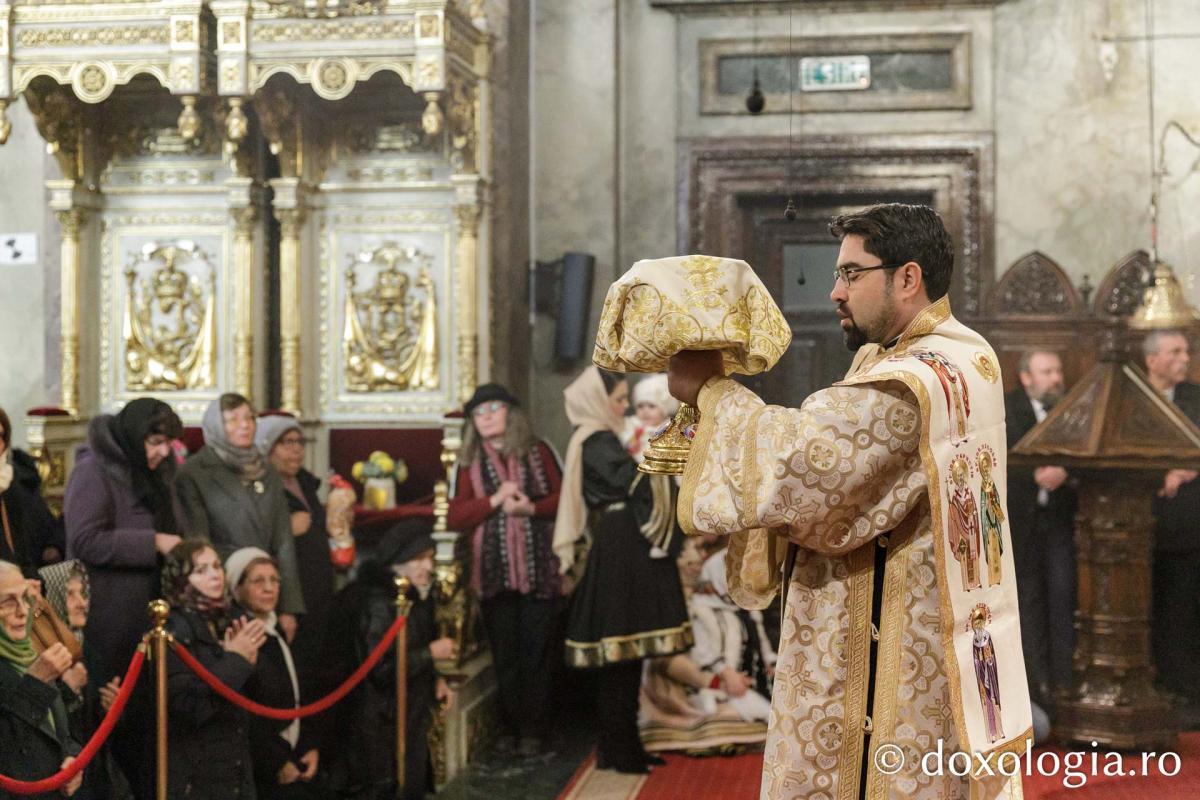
121	514
234	498
507	496
629	603
281	441
653	407
33	721
65	587
210	752
284	753
27	529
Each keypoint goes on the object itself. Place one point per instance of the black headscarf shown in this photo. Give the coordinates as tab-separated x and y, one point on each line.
130	428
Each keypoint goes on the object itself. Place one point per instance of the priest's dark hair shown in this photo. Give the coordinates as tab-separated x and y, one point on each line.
898	233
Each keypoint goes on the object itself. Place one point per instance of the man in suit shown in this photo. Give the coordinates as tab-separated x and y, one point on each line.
1176	625
1041	507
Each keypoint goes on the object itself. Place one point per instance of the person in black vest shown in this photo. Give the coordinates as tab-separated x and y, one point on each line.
1041	507
1175	630
365	766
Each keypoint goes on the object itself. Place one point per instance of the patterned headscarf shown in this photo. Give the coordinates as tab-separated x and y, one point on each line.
54	586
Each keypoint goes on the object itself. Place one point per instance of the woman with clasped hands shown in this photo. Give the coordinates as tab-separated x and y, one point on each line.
210	749
33	721
121	516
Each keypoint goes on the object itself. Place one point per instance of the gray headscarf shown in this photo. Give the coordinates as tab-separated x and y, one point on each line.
54	587
270	429
246	461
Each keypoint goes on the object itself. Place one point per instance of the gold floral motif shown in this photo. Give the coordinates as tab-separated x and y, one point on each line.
169	325
231	32
332	76
986	367
92	79
185	31
350	29
389	339
664	306
430	26
89	37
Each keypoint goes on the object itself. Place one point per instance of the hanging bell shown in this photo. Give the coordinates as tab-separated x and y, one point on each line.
667	451
1164	306
755	102
789	211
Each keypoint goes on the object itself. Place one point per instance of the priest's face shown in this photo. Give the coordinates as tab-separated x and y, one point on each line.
865	305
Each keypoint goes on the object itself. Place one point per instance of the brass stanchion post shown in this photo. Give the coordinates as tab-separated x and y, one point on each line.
403	604
159	640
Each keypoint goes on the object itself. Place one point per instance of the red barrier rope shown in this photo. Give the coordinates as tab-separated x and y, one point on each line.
290	713
63	776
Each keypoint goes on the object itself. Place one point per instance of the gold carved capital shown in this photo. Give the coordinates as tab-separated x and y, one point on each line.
291	220
71	221
244	219
468	219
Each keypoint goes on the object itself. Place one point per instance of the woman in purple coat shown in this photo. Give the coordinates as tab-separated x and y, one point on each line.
121	516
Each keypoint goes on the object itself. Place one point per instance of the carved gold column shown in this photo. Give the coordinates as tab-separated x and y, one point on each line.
71	220
243	339
290	221
468	334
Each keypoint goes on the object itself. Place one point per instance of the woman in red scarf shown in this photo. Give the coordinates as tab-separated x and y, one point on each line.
506	501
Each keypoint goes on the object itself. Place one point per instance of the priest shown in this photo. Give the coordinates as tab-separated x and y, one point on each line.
900	632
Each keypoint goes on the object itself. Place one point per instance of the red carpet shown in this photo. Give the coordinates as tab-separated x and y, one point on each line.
737	778
713	778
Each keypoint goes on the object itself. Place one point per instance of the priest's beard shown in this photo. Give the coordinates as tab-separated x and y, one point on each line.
874	328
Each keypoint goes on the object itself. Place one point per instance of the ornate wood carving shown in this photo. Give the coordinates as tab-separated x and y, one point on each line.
1121	290
1035	285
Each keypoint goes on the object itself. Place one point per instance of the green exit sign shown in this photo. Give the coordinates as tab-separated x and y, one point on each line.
835	73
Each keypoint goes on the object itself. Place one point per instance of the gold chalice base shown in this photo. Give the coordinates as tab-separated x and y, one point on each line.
667	453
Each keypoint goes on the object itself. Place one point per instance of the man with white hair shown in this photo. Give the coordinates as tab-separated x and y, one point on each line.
1176	625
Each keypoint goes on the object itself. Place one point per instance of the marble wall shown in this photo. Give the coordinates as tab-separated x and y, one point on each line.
27	293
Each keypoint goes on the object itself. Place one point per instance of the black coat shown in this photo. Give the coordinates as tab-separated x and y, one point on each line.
1178	518
32	526
362	613
210	750
1060	508
30	748
316	584
271	685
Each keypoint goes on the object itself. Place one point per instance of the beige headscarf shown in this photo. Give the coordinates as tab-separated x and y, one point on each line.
590	412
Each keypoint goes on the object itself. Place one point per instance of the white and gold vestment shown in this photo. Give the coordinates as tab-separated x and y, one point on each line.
876	470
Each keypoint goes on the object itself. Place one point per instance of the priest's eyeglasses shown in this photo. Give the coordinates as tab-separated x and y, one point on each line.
844	274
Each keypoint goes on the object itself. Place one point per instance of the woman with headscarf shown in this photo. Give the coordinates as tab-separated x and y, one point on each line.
121	513
507	497
210	750
29	533
65	587
235	499
629	604
281	441
33	721
284	752
653	407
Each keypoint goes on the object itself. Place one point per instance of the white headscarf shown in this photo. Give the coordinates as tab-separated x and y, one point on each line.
590	412
653	389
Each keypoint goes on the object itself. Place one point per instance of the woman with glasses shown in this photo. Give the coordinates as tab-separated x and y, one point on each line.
34	737
281	441
122	515
235	498
284	752
506	499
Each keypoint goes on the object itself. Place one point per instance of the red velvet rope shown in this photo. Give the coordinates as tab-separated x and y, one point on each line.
64	775
290	713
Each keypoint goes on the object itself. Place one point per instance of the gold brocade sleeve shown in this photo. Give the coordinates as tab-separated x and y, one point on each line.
829	476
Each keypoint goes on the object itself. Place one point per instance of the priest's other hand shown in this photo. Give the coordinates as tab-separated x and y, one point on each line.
689	370
1176	478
